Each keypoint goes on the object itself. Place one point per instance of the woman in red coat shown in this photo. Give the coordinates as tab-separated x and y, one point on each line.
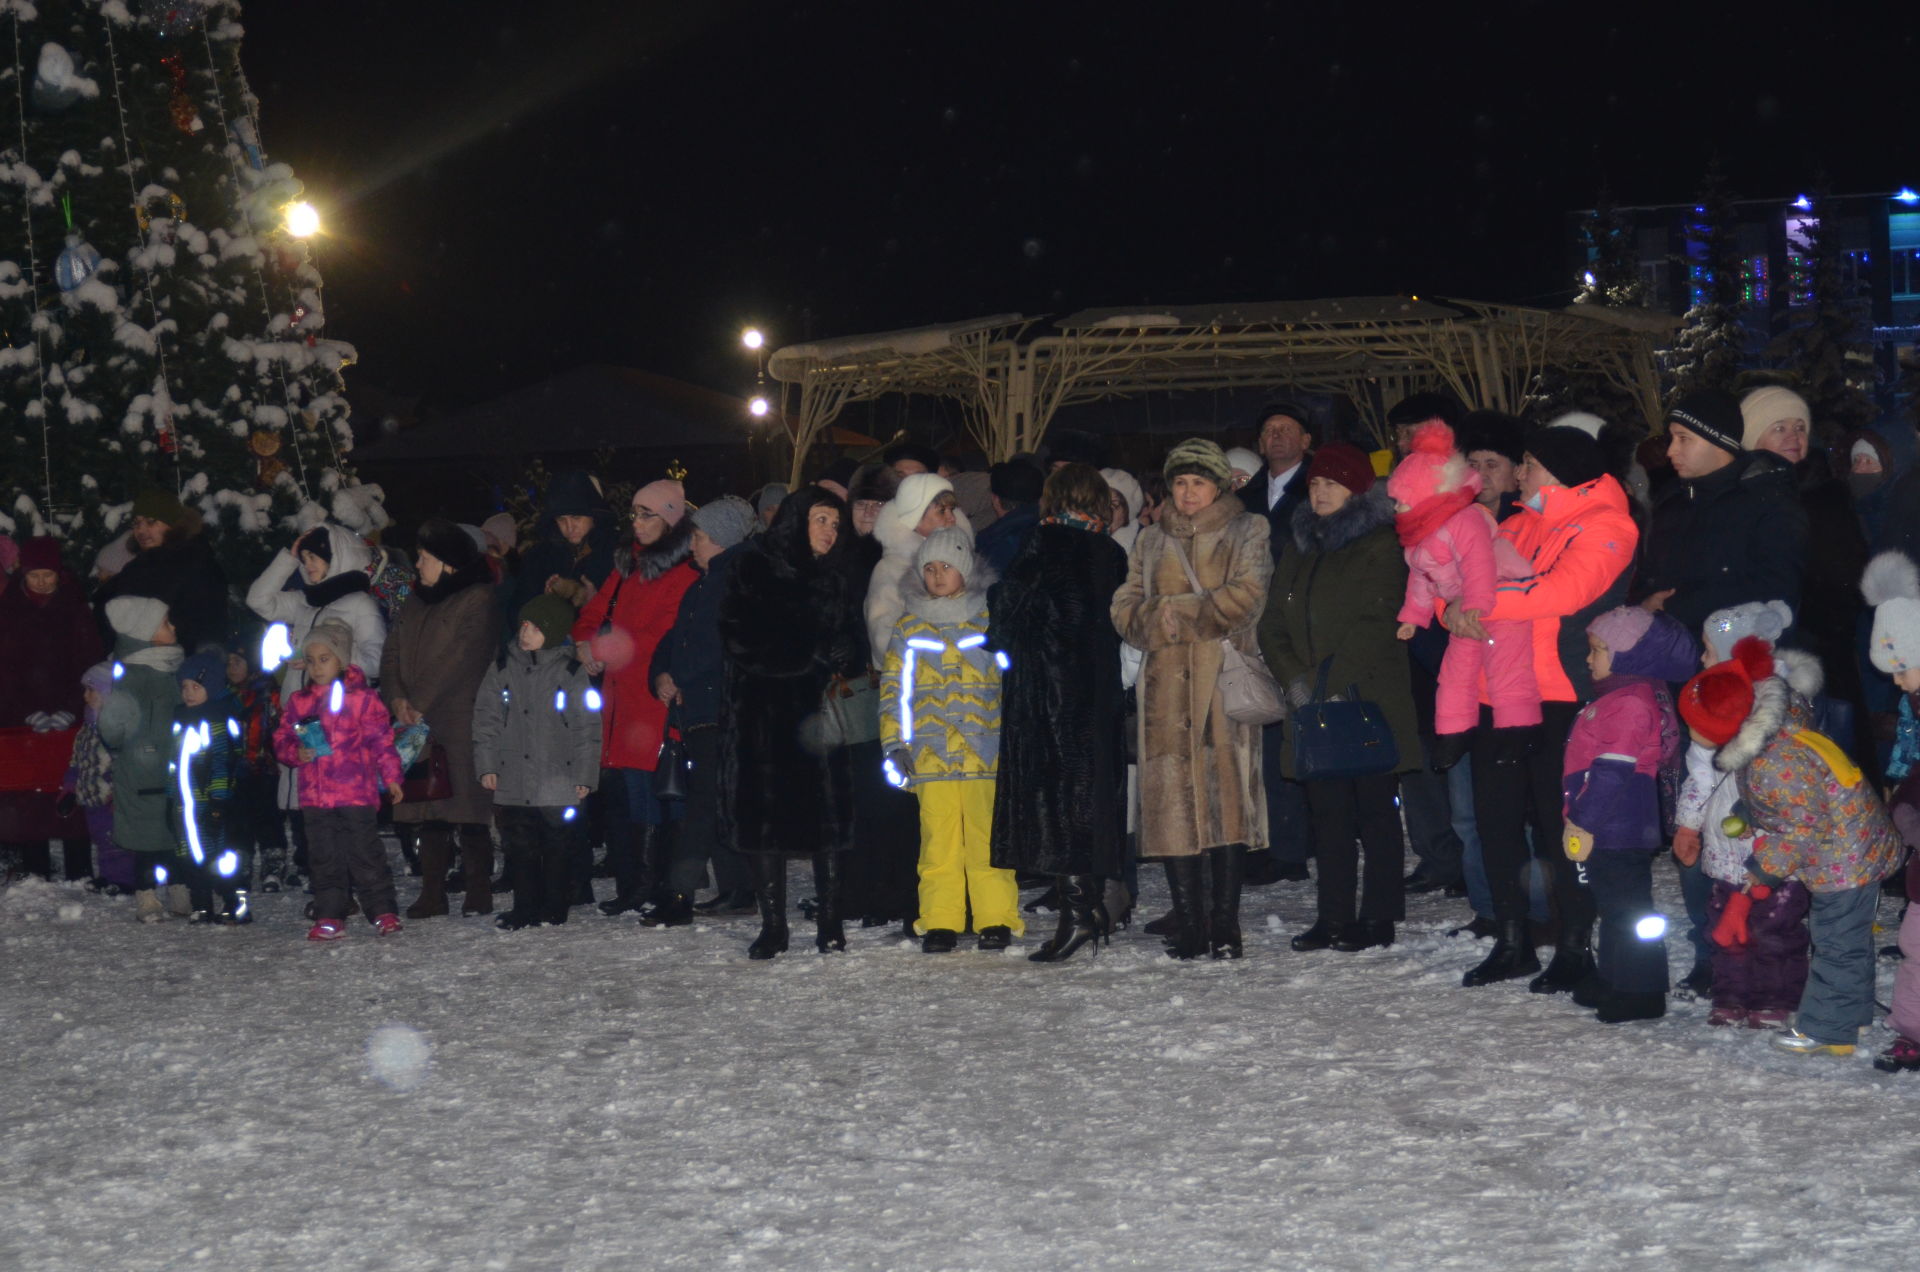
627	618
47	639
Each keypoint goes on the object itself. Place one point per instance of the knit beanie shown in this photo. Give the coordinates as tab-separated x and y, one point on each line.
1868	444
1714	415
501	529
449	542
1766	621
553	616
1761	409
156	504
1343	463
1122	482
1892	586
1569	453
665	497
208	670
136	617
727	520
1198	457
98	678
1621	629
41	552
1432	467
768	496
1718	701
1242	460
335	635
951	546
915	494
316	541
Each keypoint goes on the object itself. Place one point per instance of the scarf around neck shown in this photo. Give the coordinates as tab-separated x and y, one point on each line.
1078	520
1414	525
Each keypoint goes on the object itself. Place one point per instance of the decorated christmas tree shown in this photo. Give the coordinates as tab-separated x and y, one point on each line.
1710	347
160	316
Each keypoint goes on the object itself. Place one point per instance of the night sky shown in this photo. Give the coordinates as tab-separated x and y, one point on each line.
517	188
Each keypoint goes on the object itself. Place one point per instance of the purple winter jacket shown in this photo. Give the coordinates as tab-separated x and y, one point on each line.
1628	742
360	732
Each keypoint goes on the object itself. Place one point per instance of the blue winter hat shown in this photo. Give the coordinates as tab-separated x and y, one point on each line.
206	669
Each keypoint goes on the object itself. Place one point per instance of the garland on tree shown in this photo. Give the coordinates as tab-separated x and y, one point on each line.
158	324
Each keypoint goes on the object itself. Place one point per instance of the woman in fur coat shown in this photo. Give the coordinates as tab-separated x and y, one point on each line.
1062	756
1200	785
1336	600
442	642
790	622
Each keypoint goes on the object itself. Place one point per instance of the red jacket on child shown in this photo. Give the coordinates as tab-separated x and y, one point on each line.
359	730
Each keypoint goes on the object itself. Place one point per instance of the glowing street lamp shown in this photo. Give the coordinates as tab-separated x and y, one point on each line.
753	338
303	219
758	406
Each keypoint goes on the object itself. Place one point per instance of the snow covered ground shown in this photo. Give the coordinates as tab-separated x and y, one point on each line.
600	1096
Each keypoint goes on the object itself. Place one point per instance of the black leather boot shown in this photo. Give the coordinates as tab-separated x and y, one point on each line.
1572	962
667	908
1083	919
1226	866
1189	938
828	935
770	892
1512	957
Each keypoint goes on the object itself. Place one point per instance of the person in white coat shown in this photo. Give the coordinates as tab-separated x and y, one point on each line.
924	503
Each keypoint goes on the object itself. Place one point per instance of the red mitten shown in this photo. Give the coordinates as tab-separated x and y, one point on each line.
1731	931
1686	846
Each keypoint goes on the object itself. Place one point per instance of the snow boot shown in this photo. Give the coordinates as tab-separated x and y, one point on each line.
1083	919
1512	957
436	854
179	900
147	906
386	924
939	941
995	938
1364	934
1903	1056
1226	872
1572	961
1618	1007
828	936
327	930
770	892
1185	882
1796	1043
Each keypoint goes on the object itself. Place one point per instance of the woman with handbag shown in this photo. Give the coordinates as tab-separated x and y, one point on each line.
1330	631
1197	578
628	617
1062	756
790	622
442	642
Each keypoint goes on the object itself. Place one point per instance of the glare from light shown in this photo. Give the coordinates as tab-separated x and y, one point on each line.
1651	928
753	338
758	407
303	219
1906	194
1588	278
275	648
1803	203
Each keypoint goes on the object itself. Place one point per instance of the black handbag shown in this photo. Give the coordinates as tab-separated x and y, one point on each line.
1341	740
671	773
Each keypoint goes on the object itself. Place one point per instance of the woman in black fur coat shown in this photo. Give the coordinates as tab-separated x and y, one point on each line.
791	619
1057	808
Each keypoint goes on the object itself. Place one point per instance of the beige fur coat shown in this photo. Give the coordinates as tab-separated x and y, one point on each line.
1200	785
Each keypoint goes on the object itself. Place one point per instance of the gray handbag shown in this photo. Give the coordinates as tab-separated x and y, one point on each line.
1248	691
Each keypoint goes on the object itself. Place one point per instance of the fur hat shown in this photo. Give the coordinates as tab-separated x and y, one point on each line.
1714	415
1568	452
553	616
1432	467
1764	620
1122	483
1242	460
1199	457
1892	586
951	546
335	635
667	498
727	520
1716	702
136	617
1504	435
156	504
450	543
1761	409
1343	463
872	483
208	670
914	496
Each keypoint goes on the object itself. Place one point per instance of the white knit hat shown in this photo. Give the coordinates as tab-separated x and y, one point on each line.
136	617
1245	461
951	546
1892	586
911	500
1725	628
1761	409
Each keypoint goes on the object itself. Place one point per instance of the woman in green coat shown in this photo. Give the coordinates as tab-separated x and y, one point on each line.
1336	601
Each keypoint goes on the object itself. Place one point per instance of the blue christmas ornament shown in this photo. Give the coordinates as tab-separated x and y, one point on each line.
76	264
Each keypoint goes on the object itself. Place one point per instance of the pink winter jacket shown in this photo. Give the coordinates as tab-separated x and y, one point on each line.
1457	562
363	762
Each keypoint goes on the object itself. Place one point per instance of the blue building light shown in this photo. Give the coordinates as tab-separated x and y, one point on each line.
1803	203
1906	194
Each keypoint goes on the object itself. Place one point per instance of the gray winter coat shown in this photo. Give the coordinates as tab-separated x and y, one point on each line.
536	723
136	723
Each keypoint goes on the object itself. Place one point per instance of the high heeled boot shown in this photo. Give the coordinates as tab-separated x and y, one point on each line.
436	855
1185	882
1227	867
1512	957
828	934
770	893
1083	919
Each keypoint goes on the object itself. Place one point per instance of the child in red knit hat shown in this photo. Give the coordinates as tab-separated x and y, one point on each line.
1454	556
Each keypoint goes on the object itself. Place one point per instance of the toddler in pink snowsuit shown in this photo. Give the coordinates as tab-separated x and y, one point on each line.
1453	555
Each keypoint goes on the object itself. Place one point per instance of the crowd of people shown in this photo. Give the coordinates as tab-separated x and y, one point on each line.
1540	656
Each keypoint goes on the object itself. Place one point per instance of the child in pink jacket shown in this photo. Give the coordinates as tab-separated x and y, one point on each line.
338	738
1454	556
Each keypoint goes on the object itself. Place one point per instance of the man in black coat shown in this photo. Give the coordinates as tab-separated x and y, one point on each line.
1286	443
1015	487
1730	530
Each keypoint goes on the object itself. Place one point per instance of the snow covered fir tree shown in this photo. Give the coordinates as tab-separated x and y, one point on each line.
161	321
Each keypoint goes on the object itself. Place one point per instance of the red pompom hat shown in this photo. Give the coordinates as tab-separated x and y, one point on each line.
1718	701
